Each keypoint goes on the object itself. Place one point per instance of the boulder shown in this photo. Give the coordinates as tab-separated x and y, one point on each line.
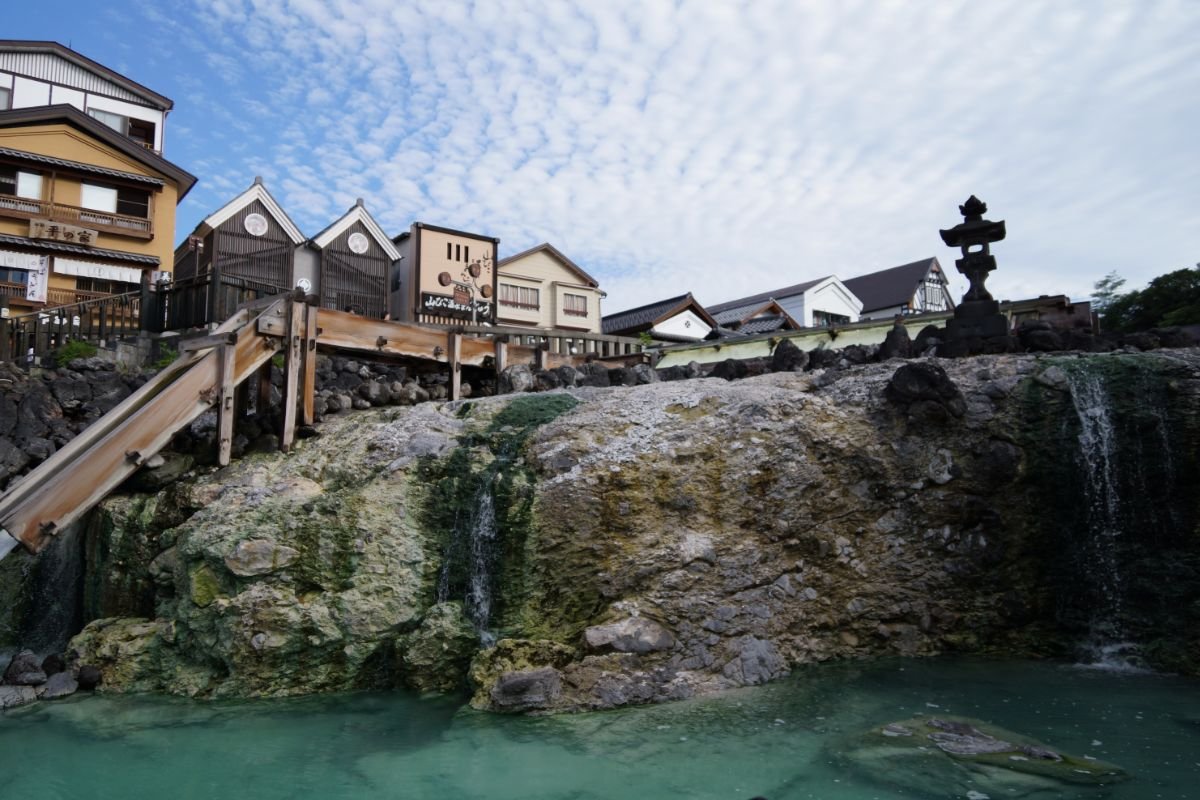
16	696
897	343
788	357
925	390
25	669
630	635
527	690
545	380
60	684
593	374
515	378
88	677
643	374
730	369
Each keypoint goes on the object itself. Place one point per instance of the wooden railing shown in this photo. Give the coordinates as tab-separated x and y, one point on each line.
557	341
199	302
25	208
98	321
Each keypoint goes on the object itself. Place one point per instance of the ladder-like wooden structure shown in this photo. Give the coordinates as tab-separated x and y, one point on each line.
208	371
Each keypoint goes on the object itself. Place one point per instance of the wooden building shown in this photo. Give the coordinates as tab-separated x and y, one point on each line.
444	276
354	262
671	321
542	288
87	203
919	287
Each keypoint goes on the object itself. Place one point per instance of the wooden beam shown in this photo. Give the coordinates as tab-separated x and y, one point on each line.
501	348
343	331
206	342
309	382
225	405
297	314
454	359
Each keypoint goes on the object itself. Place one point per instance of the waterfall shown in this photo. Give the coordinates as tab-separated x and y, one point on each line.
1108	645
469	560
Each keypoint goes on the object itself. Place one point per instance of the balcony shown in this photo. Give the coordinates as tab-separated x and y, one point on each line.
120	224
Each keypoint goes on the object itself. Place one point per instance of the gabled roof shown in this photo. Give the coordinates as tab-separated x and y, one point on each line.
775	294
357	213
23	47
256	192
890	287
43	115
643	318
556	253
739	316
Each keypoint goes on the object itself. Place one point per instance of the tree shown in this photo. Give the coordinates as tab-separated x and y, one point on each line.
1170	299
1105	291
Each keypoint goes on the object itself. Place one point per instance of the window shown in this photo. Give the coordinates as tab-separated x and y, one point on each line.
13	275
575	305
116	200
519	297
15	183
5	99
140	130
823	319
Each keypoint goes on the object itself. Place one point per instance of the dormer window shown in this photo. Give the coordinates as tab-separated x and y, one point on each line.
140	130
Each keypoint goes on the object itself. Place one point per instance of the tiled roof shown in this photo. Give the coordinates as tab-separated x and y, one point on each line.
890	287
94	252
763	324
79	166
643	317
786	291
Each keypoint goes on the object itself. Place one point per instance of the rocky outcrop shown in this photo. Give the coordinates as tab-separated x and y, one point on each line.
649	542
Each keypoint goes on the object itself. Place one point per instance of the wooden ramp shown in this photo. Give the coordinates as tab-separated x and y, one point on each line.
77	477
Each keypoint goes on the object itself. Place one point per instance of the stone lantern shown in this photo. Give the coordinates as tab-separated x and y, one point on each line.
977	326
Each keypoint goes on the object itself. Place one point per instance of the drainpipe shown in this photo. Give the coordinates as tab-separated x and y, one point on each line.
7	543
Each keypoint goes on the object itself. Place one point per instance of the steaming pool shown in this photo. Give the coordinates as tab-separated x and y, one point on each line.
787	740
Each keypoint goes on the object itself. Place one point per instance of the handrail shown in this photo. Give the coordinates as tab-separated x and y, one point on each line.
66	309
108	221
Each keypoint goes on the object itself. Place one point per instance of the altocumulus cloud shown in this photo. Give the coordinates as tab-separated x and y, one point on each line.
719	147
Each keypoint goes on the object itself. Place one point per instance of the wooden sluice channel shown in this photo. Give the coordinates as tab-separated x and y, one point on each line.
210	368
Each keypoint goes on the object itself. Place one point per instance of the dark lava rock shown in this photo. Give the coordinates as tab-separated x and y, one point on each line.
515	378
822	358
527	690
926	392
25	669
545	380
730	369
567	375
53	664
788	358
593	374
89	677
60	684
621	376
928	338
896	344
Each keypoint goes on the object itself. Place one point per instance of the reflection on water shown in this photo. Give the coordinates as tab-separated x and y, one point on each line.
779	741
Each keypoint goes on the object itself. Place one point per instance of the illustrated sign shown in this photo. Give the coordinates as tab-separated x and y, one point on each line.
46	229
446	306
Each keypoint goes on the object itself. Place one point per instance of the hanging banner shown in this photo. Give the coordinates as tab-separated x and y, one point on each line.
35	290
11	259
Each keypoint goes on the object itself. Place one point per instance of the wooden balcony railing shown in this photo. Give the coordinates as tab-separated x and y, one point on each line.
25	208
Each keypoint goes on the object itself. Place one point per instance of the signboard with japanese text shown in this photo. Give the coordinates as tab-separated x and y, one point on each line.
39	279
10	259
47	229
445	306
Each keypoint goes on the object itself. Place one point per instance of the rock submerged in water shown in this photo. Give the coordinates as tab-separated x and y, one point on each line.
961	757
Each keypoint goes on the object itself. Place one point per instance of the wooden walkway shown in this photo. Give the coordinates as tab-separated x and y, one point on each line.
209	370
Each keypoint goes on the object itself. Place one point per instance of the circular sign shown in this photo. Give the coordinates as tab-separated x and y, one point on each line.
255	224
357	243
305	284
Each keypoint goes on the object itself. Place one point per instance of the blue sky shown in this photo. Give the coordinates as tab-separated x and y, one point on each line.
724	148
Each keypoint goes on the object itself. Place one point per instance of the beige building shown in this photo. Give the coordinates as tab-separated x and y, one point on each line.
87	203
443	276
542	288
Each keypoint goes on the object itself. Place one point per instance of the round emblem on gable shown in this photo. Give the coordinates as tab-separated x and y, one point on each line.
305	284
357	243
255	224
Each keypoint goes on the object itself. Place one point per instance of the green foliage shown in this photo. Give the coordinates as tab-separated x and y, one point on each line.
73	350
166	355
277	360
646	339
1170	299
1105	291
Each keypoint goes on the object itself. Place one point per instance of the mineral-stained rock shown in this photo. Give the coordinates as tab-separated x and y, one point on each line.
258	557
435	657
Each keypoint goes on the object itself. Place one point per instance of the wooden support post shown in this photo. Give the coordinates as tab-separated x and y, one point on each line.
297	314
454	358
539	357
6	331
309	382
501	345
225	403
263	402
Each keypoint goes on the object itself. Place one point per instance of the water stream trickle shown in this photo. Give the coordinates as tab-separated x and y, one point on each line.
471	555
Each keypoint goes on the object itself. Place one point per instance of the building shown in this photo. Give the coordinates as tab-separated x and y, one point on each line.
917	288
674	320
87	202
443	276
354	263
813	304
542	288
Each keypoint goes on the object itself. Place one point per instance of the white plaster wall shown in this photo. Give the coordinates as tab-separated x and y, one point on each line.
130	110
832	299
685	323
28	93
60	95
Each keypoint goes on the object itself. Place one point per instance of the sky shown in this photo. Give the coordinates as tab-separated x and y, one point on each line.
722	148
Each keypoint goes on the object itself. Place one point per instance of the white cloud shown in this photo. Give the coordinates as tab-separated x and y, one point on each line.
722	147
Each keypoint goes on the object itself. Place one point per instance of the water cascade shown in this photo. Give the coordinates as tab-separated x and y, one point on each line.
469	559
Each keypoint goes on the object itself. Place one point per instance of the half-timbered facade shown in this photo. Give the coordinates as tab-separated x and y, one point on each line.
355	260
444	276
916	288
